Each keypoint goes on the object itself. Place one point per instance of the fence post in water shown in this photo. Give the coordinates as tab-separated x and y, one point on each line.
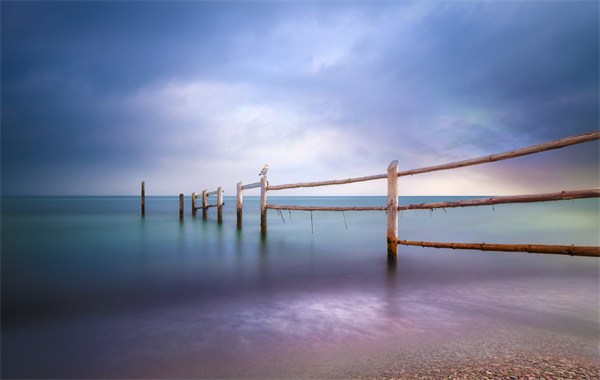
143	198
220	204
181	206
392	212
263	205
204	204
239	205
194	195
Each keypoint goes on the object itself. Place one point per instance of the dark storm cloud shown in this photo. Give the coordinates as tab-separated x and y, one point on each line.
66	64
504	56
120	44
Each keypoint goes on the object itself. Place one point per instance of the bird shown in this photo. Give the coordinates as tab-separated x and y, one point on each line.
264	170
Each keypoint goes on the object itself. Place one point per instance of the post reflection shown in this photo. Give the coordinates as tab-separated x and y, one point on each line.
263	262
392	289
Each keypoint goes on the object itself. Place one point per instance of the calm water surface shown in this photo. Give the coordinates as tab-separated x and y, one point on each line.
92	290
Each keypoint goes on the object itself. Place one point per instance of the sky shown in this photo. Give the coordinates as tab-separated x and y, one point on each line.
99	96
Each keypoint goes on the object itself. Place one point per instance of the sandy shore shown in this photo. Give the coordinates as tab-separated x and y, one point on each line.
485	355
514	366
509	353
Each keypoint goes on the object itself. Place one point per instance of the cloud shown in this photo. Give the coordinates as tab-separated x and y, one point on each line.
232	127
319	90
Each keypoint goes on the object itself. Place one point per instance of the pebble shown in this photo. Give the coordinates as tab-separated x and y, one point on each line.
518	366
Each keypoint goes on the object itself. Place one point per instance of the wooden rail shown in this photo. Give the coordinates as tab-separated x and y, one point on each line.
563	195
251	186
531	248
326	183
319	208
556	144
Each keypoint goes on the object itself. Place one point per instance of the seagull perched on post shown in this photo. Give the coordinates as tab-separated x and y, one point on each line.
264	170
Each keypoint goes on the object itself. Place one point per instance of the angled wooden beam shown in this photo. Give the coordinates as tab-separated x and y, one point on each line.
560	143
548	197
571	250
251	186
326	183
325	208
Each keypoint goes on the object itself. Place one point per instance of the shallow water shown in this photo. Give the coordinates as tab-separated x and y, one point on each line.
91	289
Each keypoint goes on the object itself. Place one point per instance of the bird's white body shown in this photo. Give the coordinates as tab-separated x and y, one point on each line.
264	170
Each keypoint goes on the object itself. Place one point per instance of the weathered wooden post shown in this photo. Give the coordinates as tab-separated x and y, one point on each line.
220	204
392	212
263	205
143	198
204	204
194	195
239	205
181	206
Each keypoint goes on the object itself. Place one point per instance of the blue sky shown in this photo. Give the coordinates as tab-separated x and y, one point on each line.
98	96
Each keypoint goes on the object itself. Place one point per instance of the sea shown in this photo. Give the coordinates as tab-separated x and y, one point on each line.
91	289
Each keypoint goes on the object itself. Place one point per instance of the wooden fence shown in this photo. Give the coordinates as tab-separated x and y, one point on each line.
392	207
205	206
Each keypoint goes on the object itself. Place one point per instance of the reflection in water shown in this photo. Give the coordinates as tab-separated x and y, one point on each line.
392	289
110	295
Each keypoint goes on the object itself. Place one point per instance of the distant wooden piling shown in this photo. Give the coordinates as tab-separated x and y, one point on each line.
194	196
239	205
205	204
263	205
392	211
220	204
181	206
143	198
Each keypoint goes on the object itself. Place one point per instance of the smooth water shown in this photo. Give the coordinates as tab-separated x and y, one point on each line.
90	289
